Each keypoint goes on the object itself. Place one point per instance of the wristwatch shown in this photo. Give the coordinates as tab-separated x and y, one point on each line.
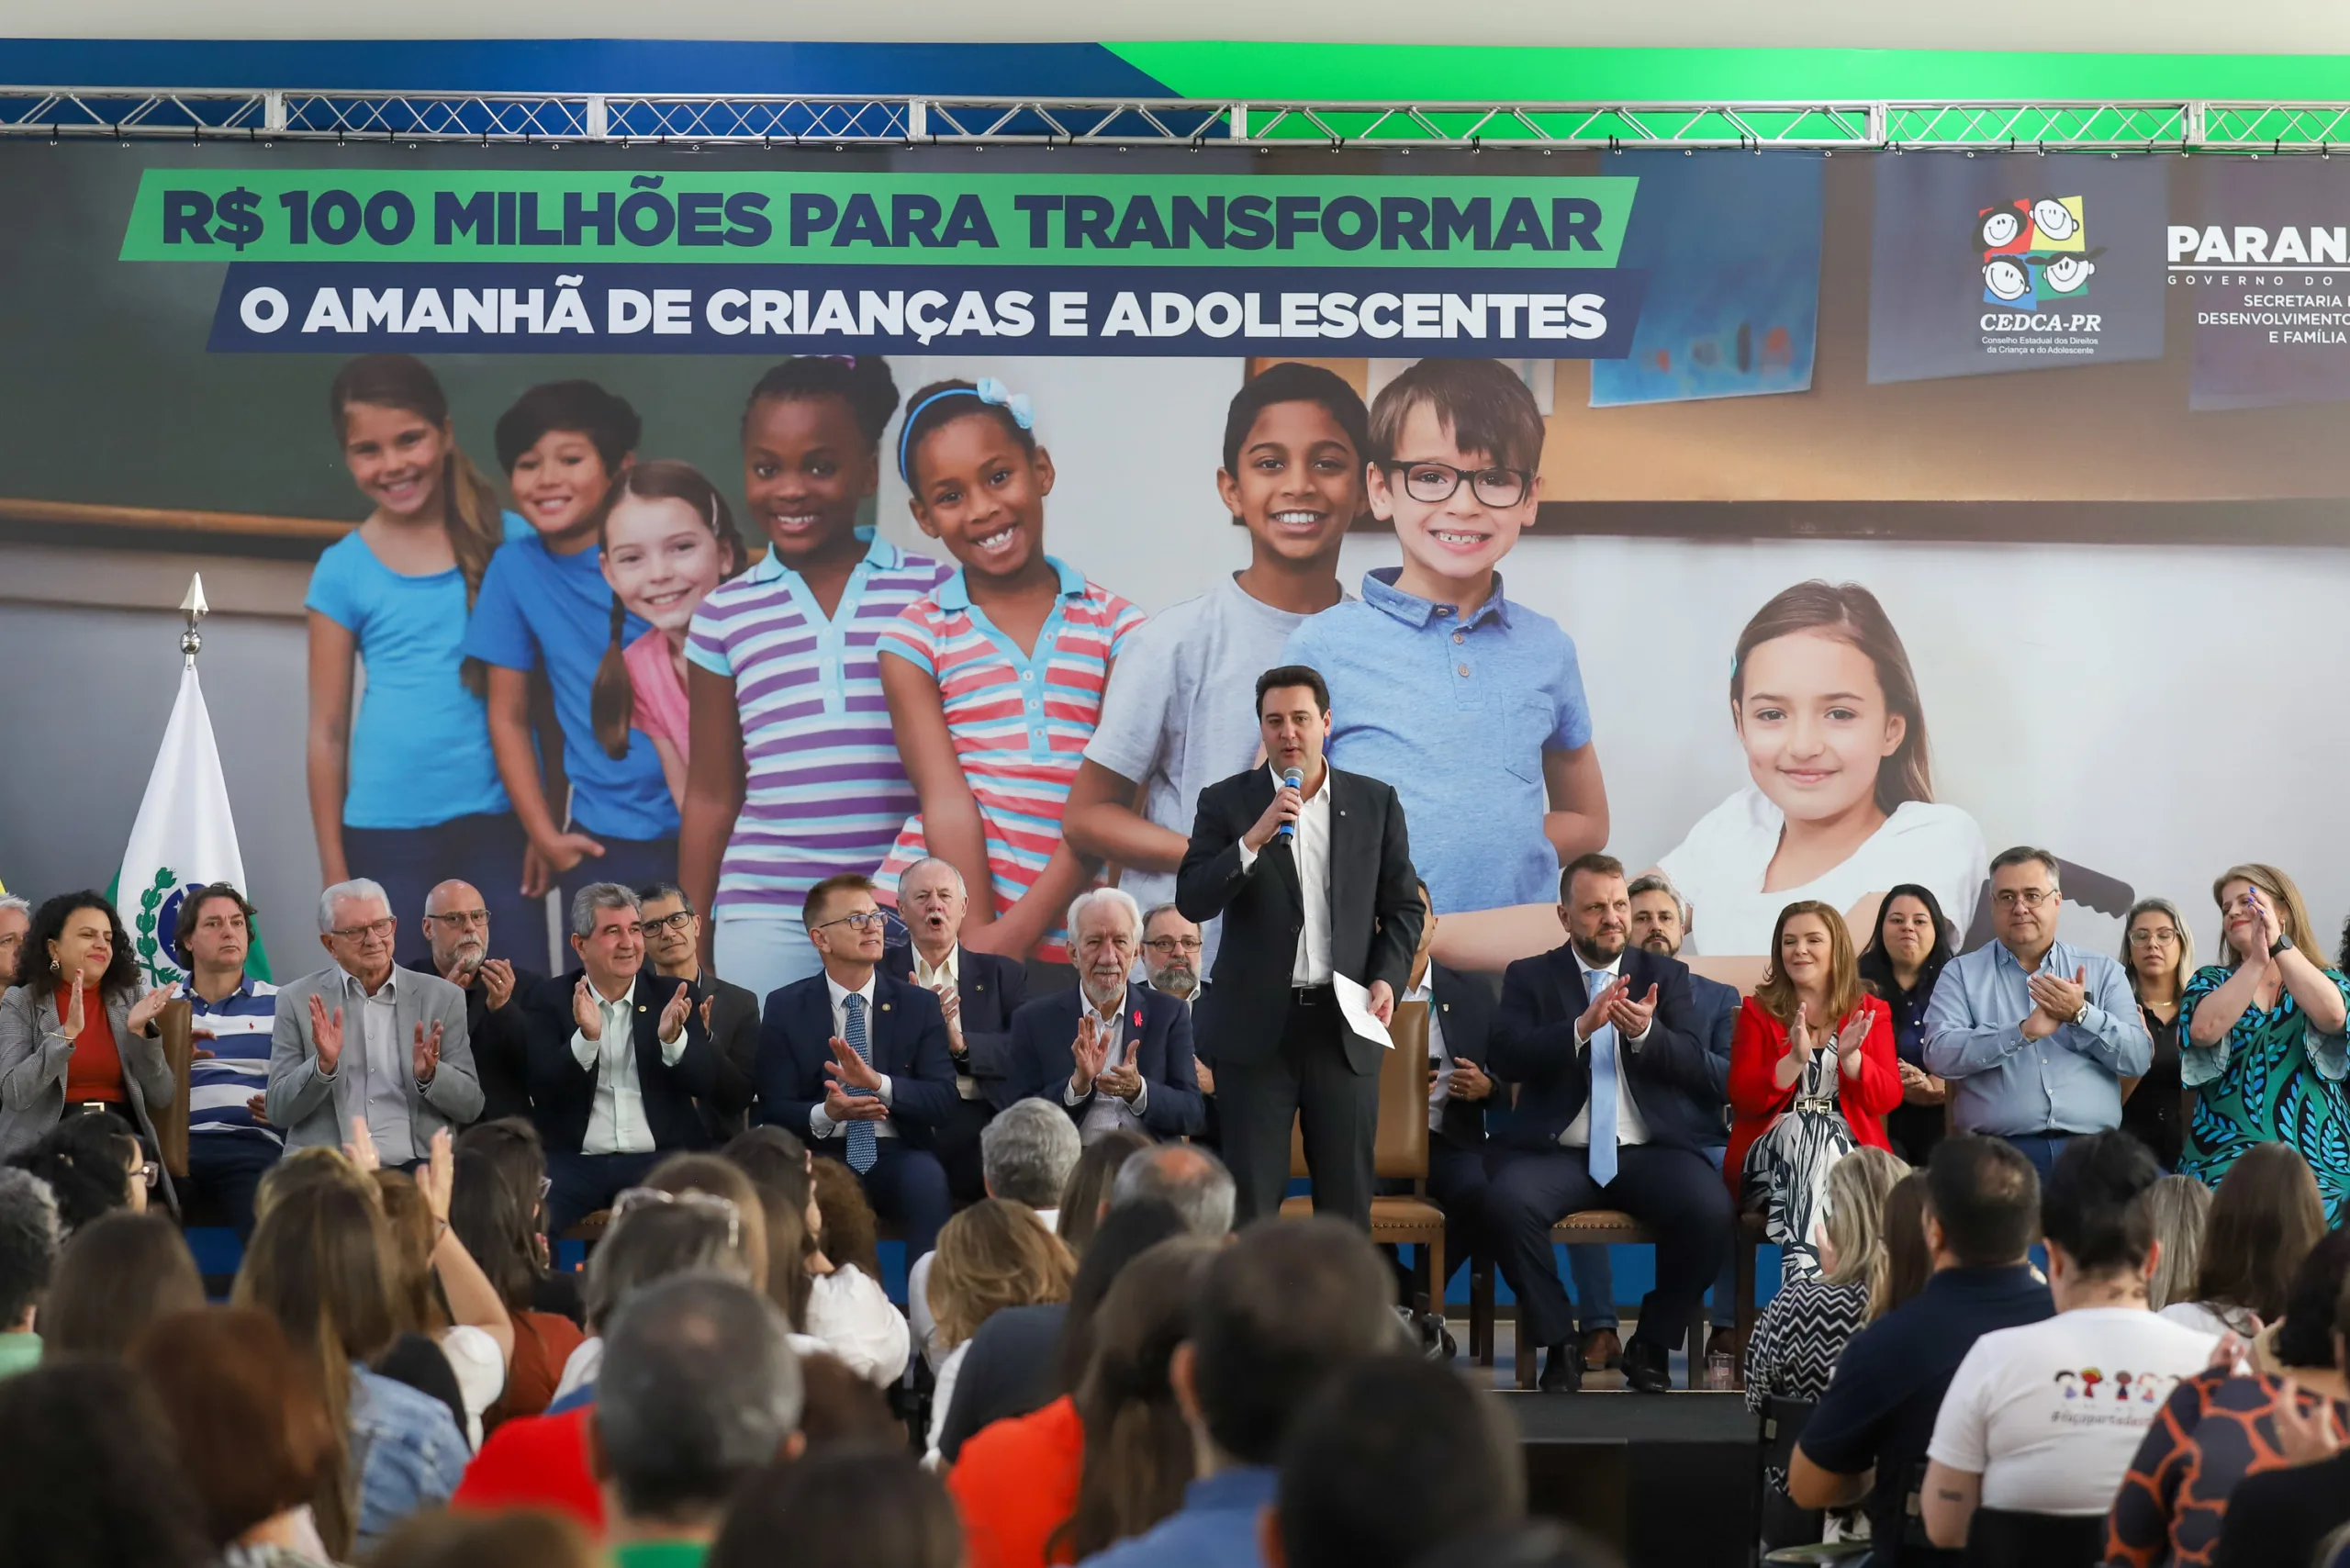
2283	944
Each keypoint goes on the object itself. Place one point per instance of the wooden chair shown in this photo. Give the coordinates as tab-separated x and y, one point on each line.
1400	1150
591	1229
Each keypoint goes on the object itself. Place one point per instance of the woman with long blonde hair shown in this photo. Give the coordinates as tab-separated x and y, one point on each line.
2266	1038
1812	1074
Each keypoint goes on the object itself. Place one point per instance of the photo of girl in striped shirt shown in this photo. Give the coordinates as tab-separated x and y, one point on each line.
995	679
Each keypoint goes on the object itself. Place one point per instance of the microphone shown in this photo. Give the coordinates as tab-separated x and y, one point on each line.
1290	779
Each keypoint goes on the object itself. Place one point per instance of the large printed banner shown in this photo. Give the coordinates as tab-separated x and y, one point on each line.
1805	528
814	262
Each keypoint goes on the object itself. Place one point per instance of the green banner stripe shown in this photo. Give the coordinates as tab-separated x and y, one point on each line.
358	215
1416	72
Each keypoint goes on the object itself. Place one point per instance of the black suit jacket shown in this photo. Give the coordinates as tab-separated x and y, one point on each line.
1157	1028
562	1093
1375	911
990	988
500	1040
734	1032
1462	1007
1717	1007
908	1043
1675	1075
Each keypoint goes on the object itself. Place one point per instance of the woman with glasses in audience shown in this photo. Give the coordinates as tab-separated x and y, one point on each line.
2157	953
94	1165
2266	1038
507	1246
78	1034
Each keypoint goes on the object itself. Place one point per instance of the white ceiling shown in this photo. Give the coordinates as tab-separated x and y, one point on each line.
2114	26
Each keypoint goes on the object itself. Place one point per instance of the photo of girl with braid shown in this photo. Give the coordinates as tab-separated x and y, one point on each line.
395	595
668	539
994	678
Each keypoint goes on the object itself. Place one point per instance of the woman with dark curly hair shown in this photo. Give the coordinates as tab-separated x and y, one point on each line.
76	1033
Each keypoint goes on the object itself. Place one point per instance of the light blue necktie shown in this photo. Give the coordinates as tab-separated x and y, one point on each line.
1603	1100
863	1143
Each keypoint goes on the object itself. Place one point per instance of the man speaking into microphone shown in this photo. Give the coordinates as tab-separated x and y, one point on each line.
1312	871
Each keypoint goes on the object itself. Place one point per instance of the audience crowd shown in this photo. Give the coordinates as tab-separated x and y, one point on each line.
2059	1281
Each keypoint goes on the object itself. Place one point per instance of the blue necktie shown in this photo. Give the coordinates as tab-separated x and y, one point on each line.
863	1143
1603	1102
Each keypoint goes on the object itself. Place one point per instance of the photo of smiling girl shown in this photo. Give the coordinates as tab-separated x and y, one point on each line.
995	679
791	773
1838	806
668	540
545	606
406	790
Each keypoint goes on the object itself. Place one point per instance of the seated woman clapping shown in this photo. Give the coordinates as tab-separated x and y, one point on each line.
1812	1072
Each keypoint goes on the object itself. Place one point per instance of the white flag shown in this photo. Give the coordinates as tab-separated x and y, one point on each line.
182	840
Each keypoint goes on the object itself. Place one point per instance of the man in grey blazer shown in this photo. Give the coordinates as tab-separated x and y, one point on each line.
362	1037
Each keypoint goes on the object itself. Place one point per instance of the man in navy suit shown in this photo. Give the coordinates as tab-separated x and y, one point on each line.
1661	924
857	1062
1116	1054
978	993
619	1060
1618	1096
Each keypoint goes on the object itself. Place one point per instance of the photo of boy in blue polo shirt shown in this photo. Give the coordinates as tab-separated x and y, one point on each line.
1469	705
544	604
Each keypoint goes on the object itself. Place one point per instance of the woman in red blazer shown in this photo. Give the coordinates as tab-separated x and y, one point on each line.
1812	1072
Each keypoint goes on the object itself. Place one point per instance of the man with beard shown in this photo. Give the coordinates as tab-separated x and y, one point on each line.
731	1013
231	1144
979	992
456	928
16	919
1115	1053
1661	924
1619	1095
1172	950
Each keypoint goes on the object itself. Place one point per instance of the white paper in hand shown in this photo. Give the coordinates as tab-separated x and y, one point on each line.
1354	1006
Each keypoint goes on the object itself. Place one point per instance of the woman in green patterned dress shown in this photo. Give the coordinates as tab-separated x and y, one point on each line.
2265	1039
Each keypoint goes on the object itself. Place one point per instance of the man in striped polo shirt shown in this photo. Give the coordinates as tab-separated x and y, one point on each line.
231	1144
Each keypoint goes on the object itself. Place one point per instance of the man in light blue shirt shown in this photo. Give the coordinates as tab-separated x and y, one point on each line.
2034	1036
1275	1315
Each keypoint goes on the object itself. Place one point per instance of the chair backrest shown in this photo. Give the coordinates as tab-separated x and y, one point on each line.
175	1027
1782	1423
2001	1538
1400	1151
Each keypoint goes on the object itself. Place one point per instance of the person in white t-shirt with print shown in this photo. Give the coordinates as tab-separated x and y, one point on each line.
1839	804
2044	1420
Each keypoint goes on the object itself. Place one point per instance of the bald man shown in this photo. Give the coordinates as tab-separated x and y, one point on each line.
456	928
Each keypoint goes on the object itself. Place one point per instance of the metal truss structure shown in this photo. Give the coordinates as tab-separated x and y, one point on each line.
867	122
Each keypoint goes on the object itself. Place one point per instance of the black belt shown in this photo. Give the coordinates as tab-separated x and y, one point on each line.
1313	996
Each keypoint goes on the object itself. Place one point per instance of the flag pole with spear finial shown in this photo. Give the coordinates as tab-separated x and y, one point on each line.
195	609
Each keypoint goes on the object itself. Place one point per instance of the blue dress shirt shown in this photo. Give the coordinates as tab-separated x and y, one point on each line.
2008	1086
1215	1527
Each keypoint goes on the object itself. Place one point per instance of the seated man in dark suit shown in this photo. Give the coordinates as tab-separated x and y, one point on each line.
729	1013
620	1061
855	1061
1461	1022
978	993
1117	1053
1618	1096
456	931
1661	924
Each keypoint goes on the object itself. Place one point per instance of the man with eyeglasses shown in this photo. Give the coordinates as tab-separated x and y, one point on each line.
231	1145
2034	1036
673	941
363	1039
16	919
1115	1055
854	1059
456	930
978	993
1173	951
621	1061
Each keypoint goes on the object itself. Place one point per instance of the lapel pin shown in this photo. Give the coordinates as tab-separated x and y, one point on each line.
640	1007
885	1007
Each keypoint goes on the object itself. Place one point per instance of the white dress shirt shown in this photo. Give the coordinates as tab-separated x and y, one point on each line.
617	1123
1311	850
820	1123
1439	1059
1108	1113
942	982
1631	1125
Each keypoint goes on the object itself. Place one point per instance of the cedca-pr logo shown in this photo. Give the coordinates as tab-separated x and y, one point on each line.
2035	252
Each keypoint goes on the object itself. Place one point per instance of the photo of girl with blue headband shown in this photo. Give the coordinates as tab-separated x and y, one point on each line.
995	679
